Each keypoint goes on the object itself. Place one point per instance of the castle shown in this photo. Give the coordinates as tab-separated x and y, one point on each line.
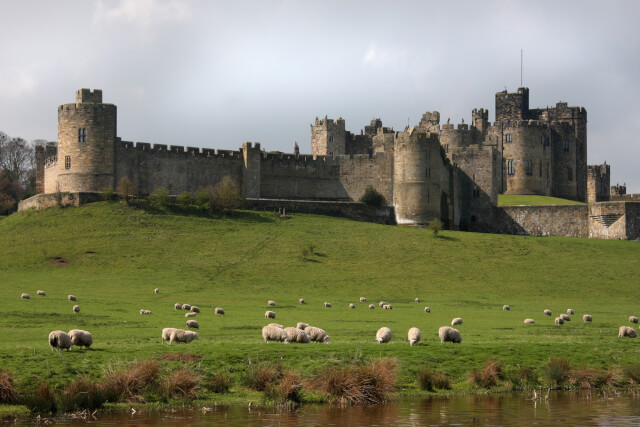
425	172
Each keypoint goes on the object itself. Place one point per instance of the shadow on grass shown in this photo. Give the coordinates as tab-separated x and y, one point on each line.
312	260
321	255
448	238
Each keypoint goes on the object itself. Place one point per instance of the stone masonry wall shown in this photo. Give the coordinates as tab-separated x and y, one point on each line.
556	220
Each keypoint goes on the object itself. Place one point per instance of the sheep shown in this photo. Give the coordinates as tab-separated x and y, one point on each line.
25	296
456	321
633	319
302	301
449	334
418	300
586	318
71	297
529	321
190	314
565	317
302	325
269	314
352	305
548	313
383	335
276	325
41	293
559	321
219	310
297	335
182	336
186	306
273	303
273	333
427	309
327	304
317	334
76	308
382	304
363	299
195	309
506	307
177	306
626	331
156	291
387	307
166	334
414	336
570	311
371	306
60	340
81	338
143	311
193	324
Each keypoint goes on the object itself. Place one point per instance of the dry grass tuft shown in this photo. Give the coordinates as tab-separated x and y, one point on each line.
489	376
259	378
41	400
588	378
428	379
8	392
183	383
129	382
219	383
558	370
81	394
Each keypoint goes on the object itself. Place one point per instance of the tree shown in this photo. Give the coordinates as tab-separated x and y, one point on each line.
8	193
17	161
371	197
436	226
126	190
225	196
160	197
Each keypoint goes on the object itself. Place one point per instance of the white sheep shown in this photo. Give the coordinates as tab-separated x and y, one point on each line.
25	296
363	299
76	308
270	302
156	291
297	335
383	335
559	321
414	336
190	314
418	300
81	338
60	340
219	310
529	321
193	324
177	306
565	317
587	318
633	319
186	306
626	331
166	334
41	293
352	305
301	301
427	309
317	334
371	306
327	304
456	321
269	314
382	304
548	313
506	307
449	334
143	311
195	309
570	311
182	336
302	325
276	325
71	297
273	333
387	307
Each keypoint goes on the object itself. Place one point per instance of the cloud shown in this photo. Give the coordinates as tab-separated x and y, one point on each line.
15	82
144	13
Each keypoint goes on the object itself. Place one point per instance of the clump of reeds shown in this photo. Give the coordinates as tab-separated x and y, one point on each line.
130	382
489	376
218	383
588	378
183	383
428	379
632	372
287	390
358	384
8	393
558	370
81	394
41	400
259	377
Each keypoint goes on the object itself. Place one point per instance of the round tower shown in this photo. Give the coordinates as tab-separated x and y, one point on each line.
527	155
86	145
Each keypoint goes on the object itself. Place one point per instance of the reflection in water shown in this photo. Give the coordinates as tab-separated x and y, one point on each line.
559	409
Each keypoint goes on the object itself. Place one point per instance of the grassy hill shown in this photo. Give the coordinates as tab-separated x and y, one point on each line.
111	257
532	200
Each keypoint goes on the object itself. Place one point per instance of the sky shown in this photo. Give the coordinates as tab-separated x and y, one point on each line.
217	73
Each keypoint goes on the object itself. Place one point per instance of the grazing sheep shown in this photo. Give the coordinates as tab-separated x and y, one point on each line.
271	303
449	334
81	338
626	331
317	334
41	293
277	325
586	318
190	314
371	306
143	311
529	321
76	308
456	321
302	325
193	324
25	296
60	340
273	333
382	304
156	291
186	306
559	321
383	335
633	319
71	297
182	336
297	335
352	305
387	307
565	317
427	309
506	307
414	336
327	304
166	334
363	299
219	310
269	314
195	309
418	300
302	301
548	313
177	306
570	311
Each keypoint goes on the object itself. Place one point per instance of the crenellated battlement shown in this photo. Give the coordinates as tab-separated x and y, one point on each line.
179	150
89	96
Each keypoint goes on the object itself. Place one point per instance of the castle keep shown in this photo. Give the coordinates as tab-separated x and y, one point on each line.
426	172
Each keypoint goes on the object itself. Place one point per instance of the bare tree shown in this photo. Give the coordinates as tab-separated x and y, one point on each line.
17	161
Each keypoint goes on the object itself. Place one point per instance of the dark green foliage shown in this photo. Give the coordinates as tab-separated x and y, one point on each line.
185	199
107	194
225	196
371	197
429	379
436	226
159	198
218	383
41	400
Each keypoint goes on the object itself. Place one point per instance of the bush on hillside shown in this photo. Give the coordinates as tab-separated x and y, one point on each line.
436	226
126	190
160	197
184	199
225	196
371	197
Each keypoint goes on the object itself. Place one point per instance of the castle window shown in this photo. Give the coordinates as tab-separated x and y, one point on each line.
476	192
508	137
528	167
428	154
569	174
565	146
511	170
545	141
428	173
330	138
82	134
67	162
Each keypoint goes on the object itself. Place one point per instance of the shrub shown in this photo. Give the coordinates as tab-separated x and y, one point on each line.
159	198
8	392
126	190
304	251
371	197
81	394
558	370
201	198
182	383
528	375
184	199
489	376
107	194
219	383
288	389
41	400
428	379
225	196
436	226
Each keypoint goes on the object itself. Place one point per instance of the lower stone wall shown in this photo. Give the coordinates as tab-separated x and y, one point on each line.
355	211
556	220
614	220
56	200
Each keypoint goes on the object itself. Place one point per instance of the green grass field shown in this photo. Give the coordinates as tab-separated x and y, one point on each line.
531	200
117	255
